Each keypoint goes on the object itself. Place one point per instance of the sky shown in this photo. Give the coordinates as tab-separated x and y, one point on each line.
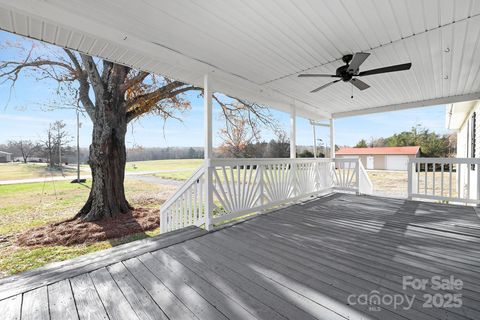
23	115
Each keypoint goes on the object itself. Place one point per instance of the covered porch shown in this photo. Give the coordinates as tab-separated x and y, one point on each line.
318	243
335	257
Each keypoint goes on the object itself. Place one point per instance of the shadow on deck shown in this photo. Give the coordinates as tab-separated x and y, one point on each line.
329	258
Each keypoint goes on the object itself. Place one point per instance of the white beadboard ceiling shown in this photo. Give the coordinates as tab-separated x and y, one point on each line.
254	49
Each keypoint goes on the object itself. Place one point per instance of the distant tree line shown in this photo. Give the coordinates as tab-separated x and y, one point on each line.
431	144
52	148
139	153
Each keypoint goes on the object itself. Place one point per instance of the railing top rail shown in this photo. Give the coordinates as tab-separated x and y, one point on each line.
195	176
253	161
446	160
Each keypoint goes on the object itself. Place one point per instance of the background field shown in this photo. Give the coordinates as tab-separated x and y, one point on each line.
15	171
18	171
163	165
395	183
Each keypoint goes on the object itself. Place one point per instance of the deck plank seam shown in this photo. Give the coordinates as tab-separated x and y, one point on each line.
196	290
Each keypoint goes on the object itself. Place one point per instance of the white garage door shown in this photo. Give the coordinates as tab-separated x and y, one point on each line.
396	162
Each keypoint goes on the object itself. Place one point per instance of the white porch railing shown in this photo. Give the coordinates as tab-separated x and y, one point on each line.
244	186
187	205
445	179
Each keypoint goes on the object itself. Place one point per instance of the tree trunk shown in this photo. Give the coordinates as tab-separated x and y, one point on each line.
108	155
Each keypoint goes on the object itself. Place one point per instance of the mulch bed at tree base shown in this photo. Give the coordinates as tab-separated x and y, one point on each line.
76	231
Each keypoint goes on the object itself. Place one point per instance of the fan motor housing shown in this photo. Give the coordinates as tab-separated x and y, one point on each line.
343	72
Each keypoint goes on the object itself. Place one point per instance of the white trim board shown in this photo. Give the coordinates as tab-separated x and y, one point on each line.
409	105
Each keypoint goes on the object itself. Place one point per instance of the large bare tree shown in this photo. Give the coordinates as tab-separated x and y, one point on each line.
112	95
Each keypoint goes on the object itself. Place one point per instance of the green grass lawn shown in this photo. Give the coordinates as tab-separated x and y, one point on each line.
180	175
23	206
163	165
16	171
19	171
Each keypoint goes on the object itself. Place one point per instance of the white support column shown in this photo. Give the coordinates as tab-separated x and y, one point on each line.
314	141
293	132
332	139
208	152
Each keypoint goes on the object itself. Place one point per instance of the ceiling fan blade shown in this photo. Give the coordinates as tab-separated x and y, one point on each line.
357	60
324	86
398	67
317	75
359	84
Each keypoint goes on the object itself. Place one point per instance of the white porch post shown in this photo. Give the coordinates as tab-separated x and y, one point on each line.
332	139
314	141
208	152
293	132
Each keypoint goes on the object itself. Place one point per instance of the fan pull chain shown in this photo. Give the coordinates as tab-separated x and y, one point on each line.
351	85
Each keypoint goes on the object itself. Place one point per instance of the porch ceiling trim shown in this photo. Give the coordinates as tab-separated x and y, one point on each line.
409	105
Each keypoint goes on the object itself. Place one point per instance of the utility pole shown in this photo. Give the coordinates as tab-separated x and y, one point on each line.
320	144
60	153
78	180
78	146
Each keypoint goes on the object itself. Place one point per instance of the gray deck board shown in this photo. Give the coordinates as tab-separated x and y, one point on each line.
352	260
340	274
89	305
191	298
116	305
163	297
35	305
379	251
144	306
382	245
10	308
299	262
296	277
271	282
61	302
245	291
272	286
227	305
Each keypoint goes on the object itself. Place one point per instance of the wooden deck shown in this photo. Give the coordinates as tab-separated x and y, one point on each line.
301	262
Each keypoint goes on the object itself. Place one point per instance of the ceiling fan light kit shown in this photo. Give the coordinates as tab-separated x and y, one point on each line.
351	70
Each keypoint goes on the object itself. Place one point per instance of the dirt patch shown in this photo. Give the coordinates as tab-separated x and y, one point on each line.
70	232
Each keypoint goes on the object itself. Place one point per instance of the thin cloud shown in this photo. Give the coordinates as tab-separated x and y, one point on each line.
24	118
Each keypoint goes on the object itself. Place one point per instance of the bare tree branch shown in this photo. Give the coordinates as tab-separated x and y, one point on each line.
93	75
84	86
145	103
134	80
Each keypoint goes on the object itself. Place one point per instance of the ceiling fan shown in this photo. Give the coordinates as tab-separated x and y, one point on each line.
350	71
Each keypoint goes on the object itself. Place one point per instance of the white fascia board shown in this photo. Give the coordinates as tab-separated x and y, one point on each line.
409	105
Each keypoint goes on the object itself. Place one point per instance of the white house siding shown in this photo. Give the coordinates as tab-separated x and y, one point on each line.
464	142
